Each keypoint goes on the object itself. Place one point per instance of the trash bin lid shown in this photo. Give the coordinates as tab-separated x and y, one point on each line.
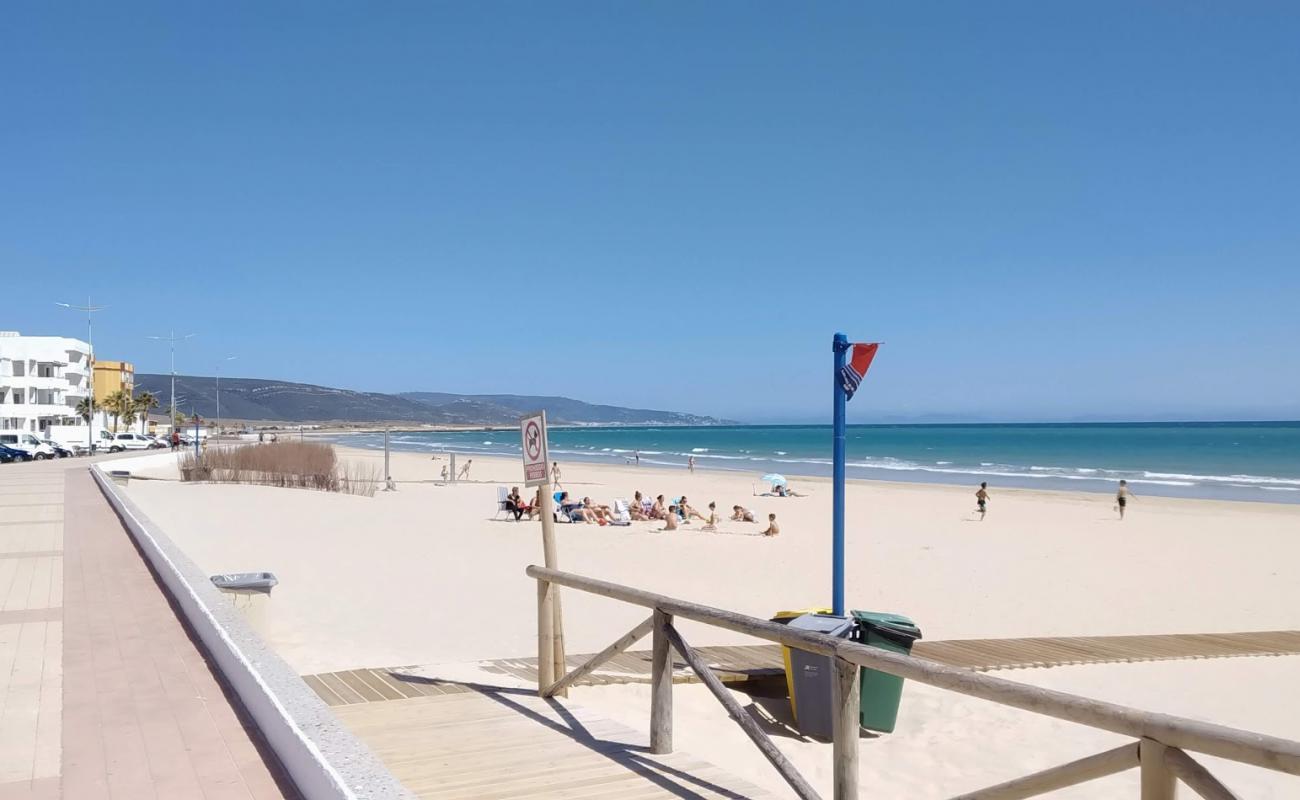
828	624
895	627
784	617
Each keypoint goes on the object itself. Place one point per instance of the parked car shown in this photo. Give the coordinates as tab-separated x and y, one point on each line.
8	454
21	440
59	450
159	442
129	441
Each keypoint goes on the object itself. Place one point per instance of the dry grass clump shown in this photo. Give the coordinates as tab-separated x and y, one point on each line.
295	465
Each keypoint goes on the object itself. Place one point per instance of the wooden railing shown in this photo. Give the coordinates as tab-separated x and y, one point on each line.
1159	750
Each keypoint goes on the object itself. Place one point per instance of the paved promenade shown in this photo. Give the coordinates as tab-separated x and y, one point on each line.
102	692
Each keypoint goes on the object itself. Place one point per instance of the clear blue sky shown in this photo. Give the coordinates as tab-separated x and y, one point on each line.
1044	211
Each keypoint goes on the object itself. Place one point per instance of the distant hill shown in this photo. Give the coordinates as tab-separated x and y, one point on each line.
282	401
508	408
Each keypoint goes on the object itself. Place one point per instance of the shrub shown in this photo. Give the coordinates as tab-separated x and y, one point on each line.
295	465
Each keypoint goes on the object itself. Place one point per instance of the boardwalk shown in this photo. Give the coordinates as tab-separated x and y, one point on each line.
758	662
104	694
489	743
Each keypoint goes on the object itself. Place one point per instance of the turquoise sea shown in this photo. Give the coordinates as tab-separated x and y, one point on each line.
1220	460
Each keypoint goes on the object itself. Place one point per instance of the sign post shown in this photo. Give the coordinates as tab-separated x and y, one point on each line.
196	436
550	618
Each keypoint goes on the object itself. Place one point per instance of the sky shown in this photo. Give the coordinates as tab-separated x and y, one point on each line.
1044	210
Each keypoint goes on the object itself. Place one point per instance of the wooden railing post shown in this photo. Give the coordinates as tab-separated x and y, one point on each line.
661	687
545	635
845	693
1157	778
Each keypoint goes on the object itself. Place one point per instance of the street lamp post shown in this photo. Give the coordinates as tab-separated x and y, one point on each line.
89	308
171	338
227	358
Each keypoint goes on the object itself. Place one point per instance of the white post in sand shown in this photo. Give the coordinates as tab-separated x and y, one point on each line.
389	486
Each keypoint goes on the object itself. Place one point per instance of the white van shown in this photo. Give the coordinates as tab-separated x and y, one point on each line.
75	437
130	441
21	440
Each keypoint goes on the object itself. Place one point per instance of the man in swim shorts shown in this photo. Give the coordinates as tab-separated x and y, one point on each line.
982	499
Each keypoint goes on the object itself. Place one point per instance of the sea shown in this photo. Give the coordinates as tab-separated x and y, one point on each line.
1257	461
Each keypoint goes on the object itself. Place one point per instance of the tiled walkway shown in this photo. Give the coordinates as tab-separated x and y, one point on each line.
31	628
104	693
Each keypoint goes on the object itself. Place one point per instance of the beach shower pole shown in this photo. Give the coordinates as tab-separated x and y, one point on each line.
388	475
840	346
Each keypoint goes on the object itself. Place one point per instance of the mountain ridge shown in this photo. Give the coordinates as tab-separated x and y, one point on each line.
287	401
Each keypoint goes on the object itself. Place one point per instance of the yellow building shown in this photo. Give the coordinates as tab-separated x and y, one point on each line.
113	375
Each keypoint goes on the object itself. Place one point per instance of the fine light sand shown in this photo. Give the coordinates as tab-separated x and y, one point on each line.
425	576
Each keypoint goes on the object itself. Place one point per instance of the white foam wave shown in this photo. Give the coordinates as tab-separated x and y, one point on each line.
1263	480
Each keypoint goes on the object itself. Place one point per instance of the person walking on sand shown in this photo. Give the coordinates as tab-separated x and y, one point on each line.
444	472
464	471
555	475
690	464
1121	498
636	455
982	498
772	528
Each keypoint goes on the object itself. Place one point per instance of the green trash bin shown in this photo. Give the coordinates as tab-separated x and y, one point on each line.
881	692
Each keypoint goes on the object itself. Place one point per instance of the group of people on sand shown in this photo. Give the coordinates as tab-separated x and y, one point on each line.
641	509
1122	494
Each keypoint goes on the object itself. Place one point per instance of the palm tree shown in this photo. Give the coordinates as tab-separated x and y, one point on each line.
83	409
144	403
118	403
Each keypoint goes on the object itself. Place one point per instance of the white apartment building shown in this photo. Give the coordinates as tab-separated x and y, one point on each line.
42	378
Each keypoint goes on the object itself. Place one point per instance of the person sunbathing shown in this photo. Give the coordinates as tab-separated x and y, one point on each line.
515	503
772	528
658	510
574	511
711	522
741	514
535	509
637	508
670	519
603	514
685	511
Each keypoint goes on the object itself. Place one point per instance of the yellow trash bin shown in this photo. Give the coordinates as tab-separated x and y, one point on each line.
784	617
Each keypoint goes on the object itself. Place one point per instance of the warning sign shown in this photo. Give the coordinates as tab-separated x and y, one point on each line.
532	430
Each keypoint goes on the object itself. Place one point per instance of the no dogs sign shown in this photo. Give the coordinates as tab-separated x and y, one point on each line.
532	430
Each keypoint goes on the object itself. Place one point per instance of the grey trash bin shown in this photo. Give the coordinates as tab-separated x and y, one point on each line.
814	675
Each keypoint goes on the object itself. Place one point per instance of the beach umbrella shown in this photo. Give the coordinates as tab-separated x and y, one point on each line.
774	479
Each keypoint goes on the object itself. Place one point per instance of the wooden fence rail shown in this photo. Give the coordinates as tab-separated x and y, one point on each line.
1158	752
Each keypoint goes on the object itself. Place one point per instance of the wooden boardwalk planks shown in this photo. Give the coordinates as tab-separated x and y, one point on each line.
740	663
491	743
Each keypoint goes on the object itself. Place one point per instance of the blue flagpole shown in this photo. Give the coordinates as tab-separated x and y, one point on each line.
841	347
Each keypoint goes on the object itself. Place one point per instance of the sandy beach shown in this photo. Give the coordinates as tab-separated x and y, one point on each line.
426	576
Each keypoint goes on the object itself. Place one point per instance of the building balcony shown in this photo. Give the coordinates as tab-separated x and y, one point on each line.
32	410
